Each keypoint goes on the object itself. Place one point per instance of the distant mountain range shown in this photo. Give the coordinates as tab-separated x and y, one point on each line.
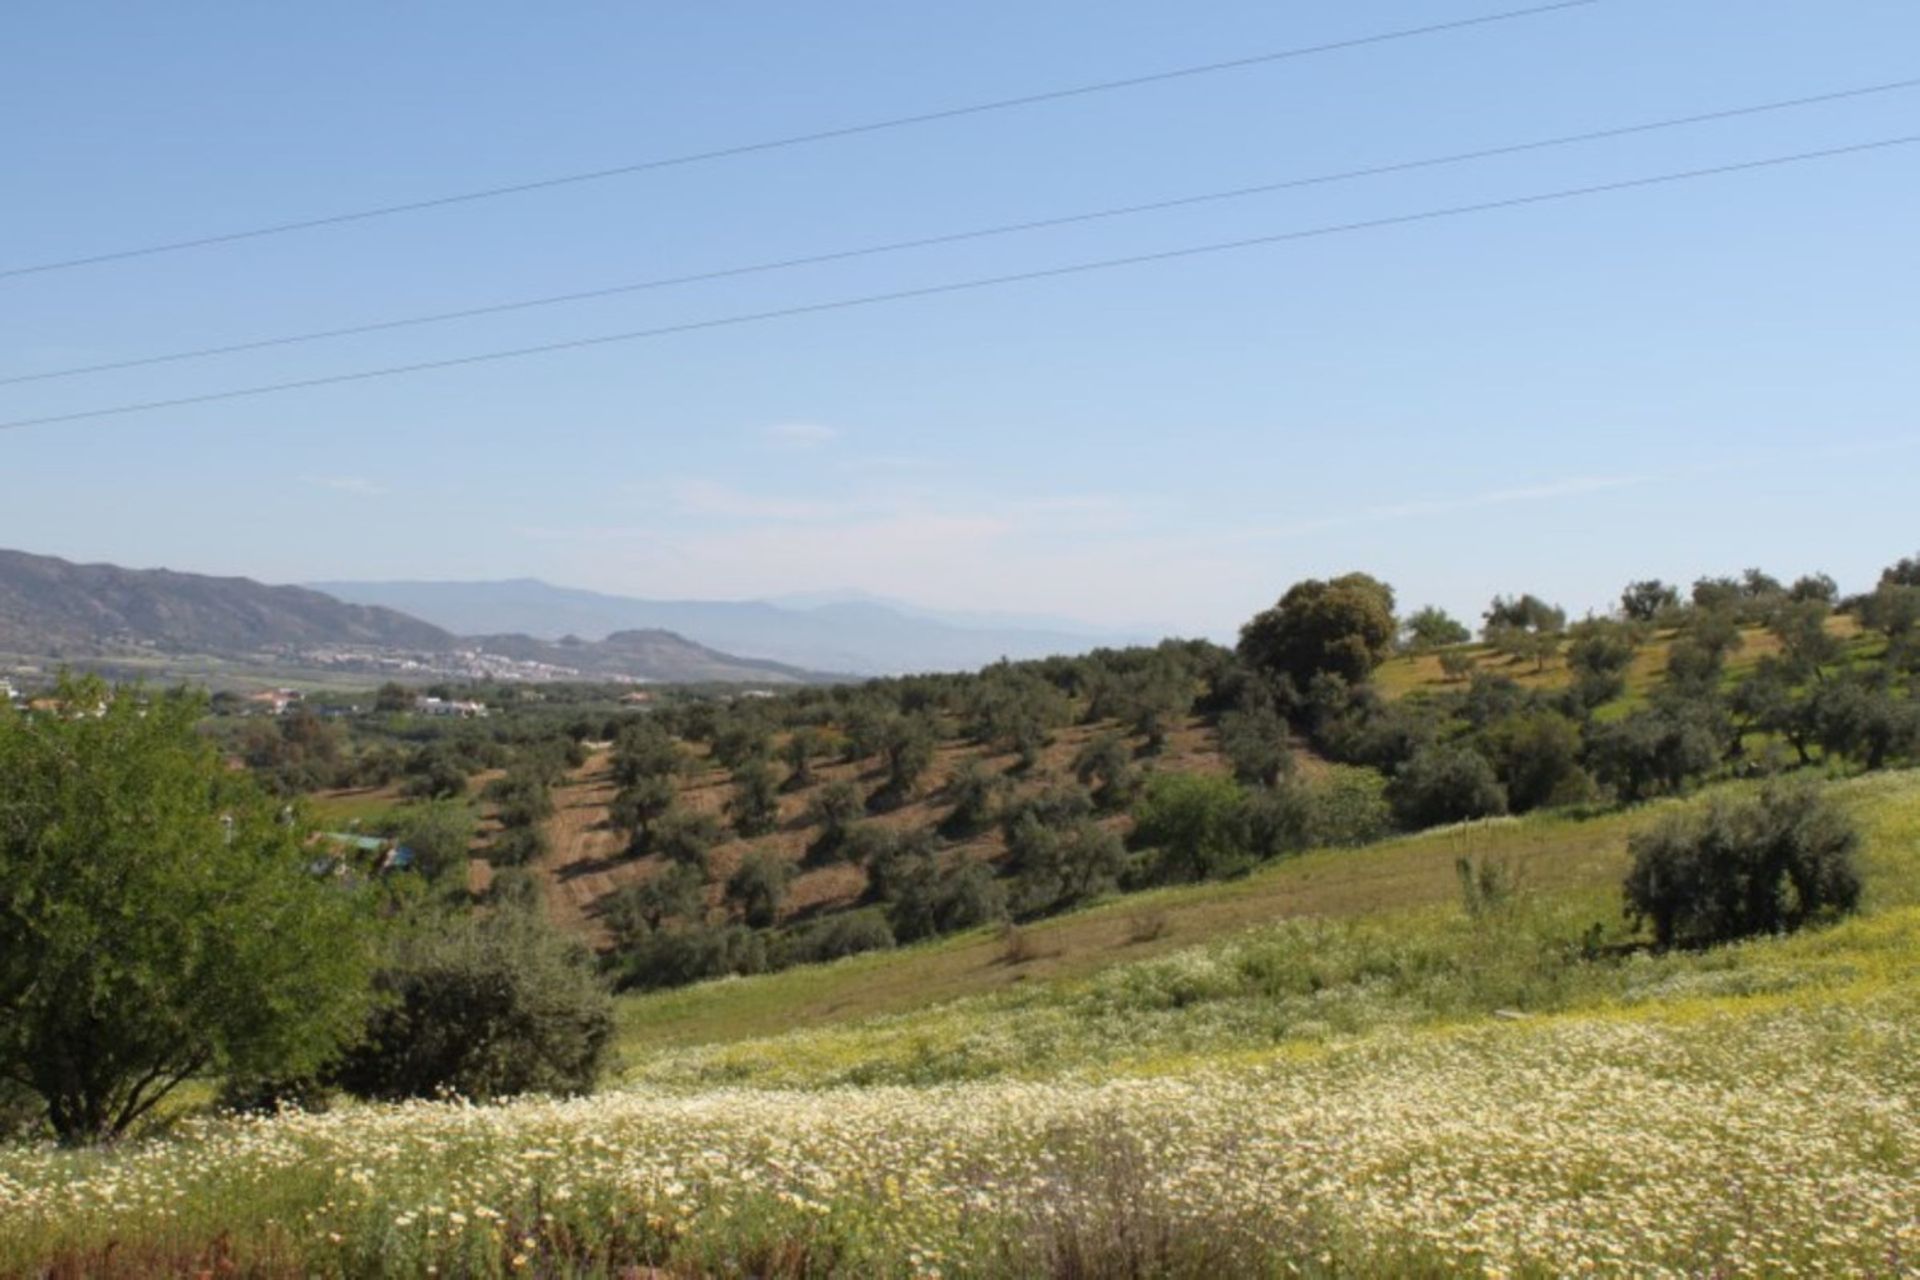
101	615
860	635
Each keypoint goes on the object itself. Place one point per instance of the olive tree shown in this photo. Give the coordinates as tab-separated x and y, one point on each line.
1743	867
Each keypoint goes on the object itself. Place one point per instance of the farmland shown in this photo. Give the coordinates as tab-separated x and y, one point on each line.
1355	1091
1170	961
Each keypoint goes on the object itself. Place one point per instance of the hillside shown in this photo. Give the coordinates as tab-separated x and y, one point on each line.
1328	1068
590	858
163	624
51	604
863	637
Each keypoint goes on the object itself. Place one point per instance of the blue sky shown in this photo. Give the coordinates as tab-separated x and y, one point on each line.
1670	382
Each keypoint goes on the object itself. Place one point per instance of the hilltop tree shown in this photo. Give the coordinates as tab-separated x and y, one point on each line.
138	880
1650	600
1344	627
1599	654
1433	628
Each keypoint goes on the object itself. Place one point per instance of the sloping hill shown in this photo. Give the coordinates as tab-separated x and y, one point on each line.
48	603
168	622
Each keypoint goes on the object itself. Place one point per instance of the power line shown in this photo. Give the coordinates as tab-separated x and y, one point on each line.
958	286
799	139
923	242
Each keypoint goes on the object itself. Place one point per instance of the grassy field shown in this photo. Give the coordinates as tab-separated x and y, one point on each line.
1328	1068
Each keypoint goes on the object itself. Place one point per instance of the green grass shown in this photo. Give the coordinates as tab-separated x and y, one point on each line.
1334	943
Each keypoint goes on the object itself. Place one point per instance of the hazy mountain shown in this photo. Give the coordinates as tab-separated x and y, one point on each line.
47	603
860	635
93	614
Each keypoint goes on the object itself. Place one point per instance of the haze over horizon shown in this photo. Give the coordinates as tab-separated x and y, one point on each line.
1533	398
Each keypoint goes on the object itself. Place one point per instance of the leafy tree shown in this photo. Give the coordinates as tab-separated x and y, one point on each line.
1536	756
645	749
1815	586
1106	765
973	792
1599	653
755	804
925	898
1059	866
685	838
484	1006
1456	664
1861	720
758	888
1255	742
1350	806
1805	643
1432	628
437	833
1344	627
1697	658
834	809
435	773
907	745
739	742
1743	867
1717	595
1657	751
641	806
802	746
1902	573
520	798
392	697
677	893
1650	601
1445	784
1768	702
1197	825
517	846
1526	613
157	919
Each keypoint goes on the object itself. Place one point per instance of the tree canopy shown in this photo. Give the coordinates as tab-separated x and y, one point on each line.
1343	627
158	919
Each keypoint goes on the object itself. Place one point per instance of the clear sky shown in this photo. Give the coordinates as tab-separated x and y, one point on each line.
1671	381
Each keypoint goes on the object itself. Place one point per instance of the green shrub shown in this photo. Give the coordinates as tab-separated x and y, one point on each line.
1745	866
925	899
1445	784
674	957
484	1006
1350	806
846	934
1196	824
